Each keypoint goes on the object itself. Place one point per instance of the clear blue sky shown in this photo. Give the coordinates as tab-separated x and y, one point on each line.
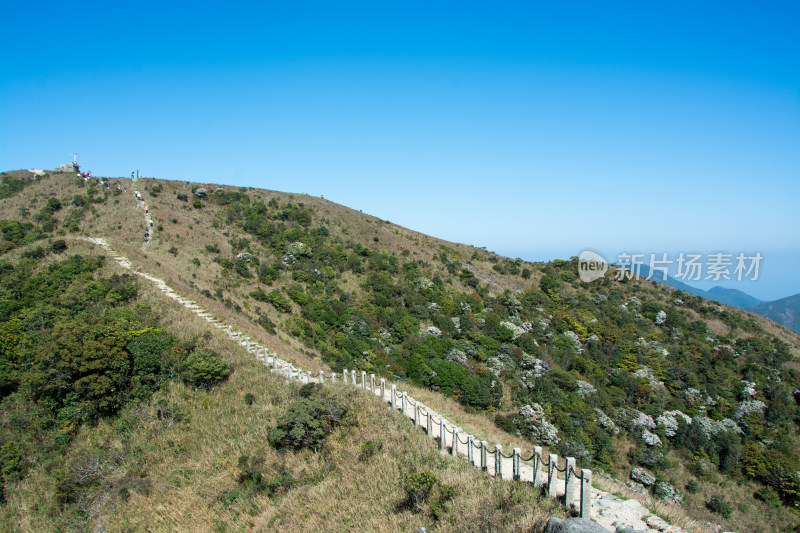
534	130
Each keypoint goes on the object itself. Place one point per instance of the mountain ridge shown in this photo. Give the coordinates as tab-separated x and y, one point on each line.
785	311
358	291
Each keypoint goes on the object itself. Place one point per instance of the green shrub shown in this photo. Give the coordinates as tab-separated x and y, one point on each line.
229	497
280	301
13	462
717	505
202	368
242	268
418	487
254	475
51	206
308	420
266	323
368	449
36	252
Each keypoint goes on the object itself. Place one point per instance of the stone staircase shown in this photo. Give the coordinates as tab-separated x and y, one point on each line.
608	510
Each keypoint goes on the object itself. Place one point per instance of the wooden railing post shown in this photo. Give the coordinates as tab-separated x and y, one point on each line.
515	463
321	377
403	402
416	414
372	383
498	461
393	394
454	449
471	450
383	389
484	458
442	434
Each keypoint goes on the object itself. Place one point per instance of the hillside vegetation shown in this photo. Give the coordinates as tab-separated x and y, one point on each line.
621	374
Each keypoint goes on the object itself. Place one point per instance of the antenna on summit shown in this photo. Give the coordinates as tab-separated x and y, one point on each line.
74	157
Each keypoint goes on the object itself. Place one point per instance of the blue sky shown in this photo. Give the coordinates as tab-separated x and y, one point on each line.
534	130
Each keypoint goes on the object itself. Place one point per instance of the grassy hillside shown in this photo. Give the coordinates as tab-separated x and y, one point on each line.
168	449
524	348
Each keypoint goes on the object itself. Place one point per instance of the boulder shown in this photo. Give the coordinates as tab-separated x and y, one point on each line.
298	249
537	366
647	373
201	193
513	305
640	475
457	356
515	329
499	363
432	330
711	428
638	488
651	439
585	388
649	457
749	388
746	408
667	493
576	341
538	428
670	421
423	283
605	421
573	525
632	419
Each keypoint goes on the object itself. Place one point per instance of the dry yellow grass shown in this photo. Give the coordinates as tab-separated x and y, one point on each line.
175	473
